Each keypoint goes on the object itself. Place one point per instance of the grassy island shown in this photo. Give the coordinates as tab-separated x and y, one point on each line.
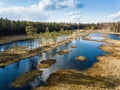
25	78
46	63
82	58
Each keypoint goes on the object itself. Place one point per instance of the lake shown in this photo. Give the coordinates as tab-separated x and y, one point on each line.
89	49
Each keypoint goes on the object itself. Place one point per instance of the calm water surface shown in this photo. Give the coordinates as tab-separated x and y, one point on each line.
34	44
85	48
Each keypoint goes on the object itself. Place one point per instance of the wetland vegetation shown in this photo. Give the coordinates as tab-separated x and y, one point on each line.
46	63
25	78
37	55
68	78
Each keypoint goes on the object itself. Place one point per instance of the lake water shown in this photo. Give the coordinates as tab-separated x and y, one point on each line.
85	48
115	37
33	44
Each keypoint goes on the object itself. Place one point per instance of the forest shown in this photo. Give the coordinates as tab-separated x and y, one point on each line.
11	27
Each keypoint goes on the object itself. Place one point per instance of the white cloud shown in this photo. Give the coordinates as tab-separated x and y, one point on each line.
74	16
59	4
23	13
73	13
39	11
114	16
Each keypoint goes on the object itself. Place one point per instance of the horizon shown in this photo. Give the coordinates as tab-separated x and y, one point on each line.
61	11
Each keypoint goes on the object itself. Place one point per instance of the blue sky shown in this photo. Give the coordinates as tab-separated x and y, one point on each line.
75	11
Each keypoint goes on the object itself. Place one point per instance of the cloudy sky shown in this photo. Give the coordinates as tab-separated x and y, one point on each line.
83	11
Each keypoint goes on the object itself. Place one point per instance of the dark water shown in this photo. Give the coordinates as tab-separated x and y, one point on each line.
88	49
11	72
33	44
29	43
113	36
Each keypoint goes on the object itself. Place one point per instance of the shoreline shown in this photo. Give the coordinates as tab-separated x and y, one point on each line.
37	51
107	32
15	38
104	75
23	79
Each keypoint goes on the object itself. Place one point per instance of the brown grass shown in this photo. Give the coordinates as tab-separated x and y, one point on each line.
46	63
82	58
104	75
7	58
73	46
23	54
8	39
25	78
62	52
76	80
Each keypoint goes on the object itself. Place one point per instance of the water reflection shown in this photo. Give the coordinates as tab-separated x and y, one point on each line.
68	61
113	36
85	48
11	72
33	44
29	43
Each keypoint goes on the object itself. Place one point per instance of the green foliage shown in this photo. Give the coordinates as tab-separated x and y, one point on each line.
9	27
92	27
87	28
30	30
116	27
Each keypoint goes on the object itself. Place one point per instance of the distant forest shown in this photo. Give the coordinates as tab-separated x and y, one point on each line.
11	27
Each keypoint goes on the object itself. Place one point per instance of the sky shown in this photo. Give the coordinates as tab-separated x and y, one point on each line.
71	11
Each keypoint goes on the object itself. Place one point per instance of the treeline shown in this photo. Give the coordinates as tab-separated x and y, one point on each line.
10	27
114	27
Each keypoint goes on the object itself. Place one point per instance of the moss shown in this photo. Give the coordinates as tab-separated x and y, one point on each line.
46	63
62	52
82	58
25	78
